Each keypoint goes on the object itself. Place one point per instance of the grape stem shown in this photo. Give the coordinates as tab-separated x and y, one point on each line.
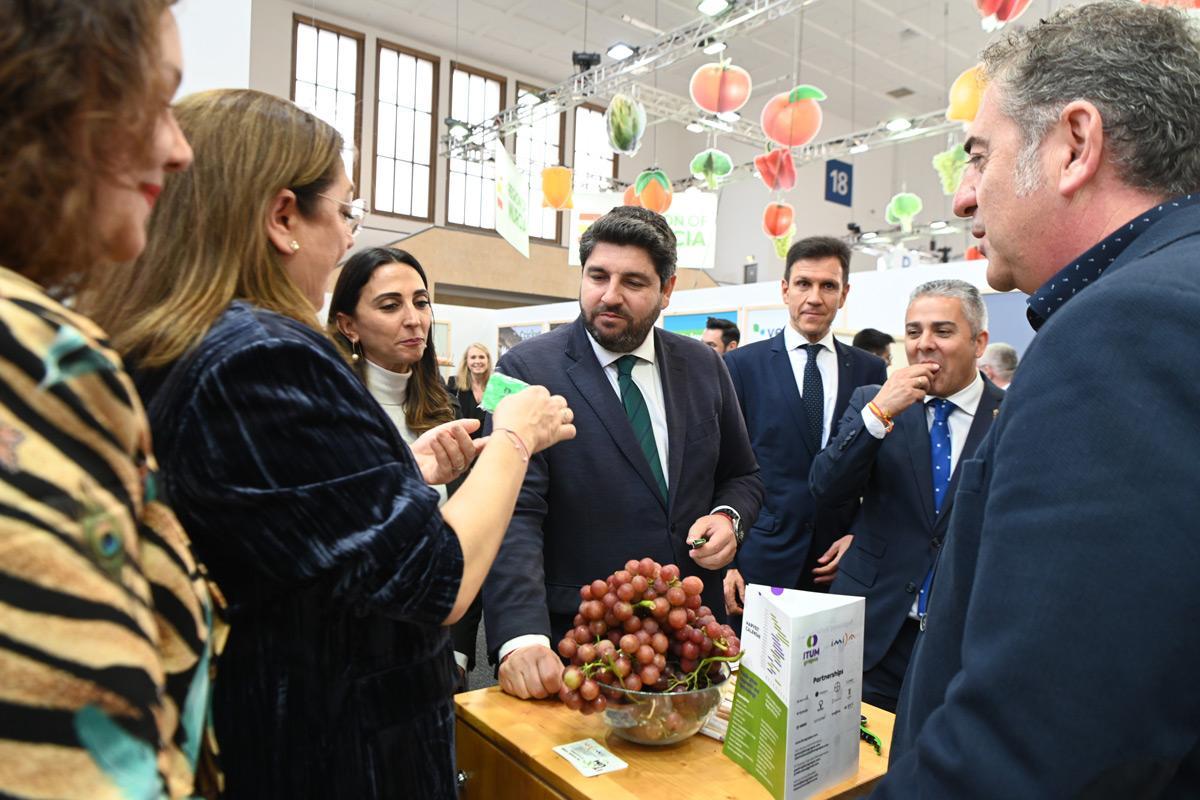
692	679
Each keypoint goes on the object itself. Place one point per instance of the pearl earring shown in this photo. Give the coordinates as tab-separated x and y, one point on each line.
294	245
355	349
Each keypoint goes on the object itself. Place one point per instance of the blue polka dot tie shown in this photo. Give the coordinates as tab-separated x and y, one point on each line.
814	395
939	450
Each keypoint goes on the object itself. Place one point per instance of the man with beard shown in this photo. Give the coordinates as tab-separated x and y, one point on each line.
1056	660
898	447
661	458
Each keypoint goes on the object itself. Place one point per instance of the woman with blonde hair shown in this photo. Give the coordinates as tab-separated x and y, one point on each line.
106	622
340	571
474	372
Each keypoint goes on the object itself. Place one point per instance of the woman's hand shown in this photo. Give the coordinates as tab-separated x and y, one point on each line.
445	452
539	418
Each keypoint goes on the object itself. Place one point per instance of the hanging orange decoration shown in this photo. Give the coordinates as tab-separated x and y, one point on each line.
631	198
720	87
965	94
556	188
651	190
792	119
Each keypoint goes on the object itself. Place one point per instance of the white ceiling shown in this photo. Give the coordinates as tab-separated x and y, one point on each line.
875	45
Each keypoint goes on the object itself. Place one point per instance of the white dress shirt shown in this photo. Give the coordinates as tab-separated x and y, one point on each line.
827	365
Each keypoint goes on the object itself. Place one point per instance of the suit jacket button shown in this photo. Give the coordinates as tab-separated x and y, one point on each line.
911	587
936	542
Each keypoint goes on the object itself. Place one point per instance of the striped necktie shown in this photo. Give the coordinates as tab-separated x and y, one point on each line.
639	418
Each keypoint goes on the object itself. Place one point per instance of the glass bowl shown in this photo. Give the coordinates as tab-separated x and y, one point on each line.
659	718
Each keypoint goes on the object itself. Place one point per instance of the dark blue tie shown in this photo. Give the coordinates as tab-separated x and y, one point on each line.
814	395
639	418
939	450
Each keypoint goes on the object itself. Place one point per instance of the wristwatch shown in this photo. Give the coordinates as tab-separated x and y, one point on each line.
735	518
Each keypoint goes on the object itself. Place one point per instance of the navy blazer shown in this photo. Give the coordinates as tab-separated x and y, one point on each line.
311	515
791	532
1060	654
897	534
589	505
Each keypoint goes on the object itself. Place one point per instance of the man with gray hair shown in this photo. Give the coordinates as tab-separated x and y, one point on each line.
998	363
1056	660
898	447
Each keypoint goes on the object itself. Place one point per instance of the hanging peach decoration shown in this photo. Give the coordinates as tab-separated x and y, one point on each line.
720	87
792	119
652	190
556	188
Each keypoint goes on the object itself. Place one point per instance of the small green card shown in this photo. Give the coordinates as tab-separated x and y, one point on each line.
499	387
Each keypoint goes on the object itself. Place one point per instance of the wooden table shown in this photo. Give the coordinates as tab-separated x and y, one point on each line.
504	748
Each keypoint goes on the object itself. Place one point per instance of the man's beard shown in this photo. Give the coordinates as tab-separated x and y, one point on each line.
628	340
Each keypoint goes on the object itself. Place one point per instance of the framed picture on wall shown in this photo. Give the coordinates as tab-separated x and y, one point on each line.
509	336
440	335
693	323
554	325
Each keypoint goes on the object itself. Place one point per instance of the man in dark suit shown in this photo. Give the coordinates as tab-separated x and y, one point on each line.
898	448
1059	655
661	457
793	388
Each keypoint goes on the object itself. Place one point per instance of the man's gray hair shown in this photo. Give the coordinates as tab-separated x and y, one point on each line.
1139	65
966	295
1002	358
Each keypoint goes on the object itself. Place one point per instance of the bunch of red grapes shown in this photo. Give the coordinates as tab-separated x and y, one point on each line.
642	629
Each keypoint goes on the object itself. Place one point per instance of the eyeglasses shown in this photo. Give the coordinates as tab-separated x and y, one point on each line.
355	211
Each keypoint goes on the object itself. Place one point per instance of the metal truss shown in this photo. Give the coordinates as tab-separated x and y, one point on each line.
608	79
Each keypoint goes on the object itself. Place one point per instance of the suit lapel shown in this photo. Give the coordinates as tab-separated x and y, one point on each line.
785	387
985	414
674	373
593	385
846	382
916	433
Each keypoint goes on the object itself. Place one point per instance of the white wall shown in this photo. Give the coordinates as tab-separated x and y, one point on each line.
216	44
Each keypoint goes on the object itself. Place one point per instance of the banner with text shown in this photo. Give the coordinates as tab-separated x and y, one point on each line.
692	216
512	189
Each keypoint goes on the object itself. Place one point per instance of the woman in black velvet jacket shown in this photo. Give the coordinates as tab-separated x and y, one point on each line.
317	521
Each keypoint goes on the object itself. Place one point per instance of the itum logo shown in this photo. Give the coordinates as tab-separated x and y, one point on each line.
811	654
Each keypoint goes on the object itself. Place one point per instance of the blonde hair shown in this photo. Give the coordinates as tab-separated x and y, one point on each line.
463	381
207	243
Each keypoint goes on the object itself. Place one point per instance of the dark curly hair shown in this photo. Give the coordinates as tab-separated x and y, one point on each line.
80	91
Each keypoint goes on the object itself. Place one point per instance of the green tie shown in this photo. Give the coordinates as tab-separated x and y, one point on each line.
639	418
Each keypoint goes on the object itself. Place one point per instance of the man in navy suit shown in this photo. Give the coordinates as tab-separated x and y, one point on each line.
793	388
661	457
1059	655
898	448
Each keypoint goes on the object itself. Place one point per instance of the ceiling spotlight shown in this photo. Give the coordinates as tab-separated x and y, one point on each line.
898	124
729	116
714	46
584	61
861	147
455	128
694	127
870	235
713	7
937	225
621	51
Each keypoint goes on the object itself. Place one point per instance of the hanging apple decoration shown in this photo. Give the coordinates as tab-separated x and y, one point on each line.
651	190
792	119
625	120
996	13
556	188
901	210
777	170
711	165
777	219
965	94
720	87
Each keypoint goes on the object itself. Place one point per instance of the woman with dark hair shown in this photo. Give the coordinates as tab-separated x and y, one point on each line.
381	313
106	622
341	572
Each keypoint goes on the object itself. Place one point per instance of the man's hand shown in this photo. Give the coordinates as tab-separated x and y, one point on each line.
735	592
444	453
905	387
721	546
534	671
825	574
